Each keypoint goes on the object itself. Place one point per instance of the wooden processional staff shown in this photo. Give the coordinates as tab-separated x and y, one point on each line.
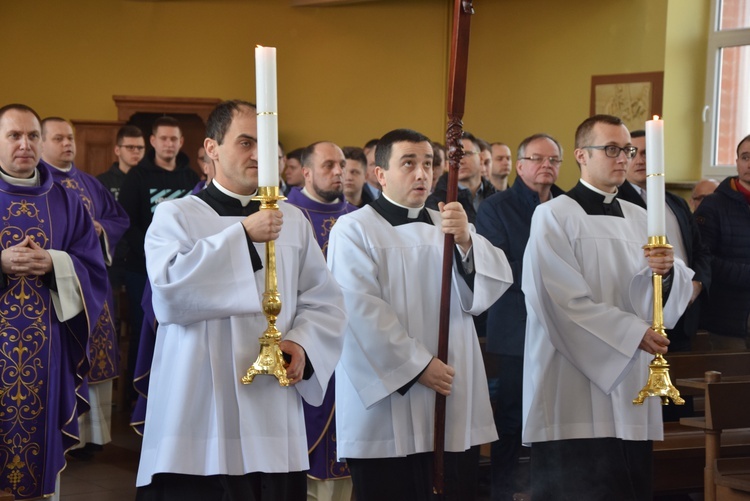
462	11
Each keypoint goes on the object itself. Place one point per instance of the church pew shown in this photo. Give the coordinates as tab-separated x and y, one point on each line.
6	496
725	411
679	460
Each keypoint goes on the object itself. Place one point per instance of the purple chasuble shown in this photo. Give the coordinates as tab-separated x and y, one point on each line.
43	361
102	207
142	374
320	421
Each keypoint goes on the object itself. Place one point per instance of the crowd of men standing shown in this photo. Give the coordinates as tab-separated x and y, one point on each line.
557	283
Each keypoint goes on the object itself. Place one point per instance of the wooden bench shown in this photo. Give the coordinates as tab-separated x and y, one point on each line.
726	411
6	496
680	459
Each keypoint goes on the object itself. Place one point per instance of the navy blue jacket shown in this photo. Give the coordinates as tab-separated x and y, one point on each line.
698	259
724	222
505	220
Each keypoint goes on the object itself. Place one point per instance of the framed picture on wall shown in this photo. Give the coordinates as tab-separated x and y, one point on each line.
634	97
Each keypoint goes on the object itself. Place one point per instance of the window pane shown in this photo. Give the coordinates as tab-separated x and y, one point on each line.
734	103
735	14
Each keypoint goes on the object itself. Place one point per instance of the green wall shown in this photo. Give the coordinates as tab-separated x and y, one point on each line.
350	73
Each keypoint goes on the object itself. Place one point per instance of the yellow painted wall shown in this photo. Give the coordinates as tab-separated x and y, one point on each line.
346	73
684	87
531	64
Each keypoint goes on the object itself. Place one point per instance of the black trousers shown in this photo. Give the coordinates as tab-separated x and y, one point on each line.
250	487
410	478
598	469
505	452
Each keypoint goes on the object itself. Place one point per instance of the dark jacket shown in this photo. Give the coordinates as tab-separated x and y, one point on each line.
145	186
724	222
505	220
113	179
698	259
366	197
464	196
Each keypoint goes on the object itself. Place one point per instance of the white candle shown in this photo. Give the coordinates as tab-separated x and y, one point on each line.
655	177
268	120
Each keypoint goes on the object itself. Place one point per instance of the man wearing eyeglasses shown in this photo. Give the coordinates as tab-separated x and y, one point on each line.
472	188
682	233
505	219
129	151
587	283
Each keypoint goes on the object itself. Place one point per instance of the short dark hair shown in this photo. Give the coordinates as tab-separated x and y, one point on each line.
372	143
385	144
47	120
221	118
483	145
746	138
355	153
308	152
525	143
583	132
128	131
165	121
19	107
437	160
471	137
295	154
638	133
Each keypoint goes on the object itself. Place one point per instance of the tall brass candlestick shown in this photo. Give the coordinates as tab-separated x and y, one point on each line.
270	359
659	384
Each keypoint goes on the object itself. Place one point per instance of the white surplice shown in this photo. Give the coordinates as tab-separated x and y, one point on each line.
201	420
589	299
391	278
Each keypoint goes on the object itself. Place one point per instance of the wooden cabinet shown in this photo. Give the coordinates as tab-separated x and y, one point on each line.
96	139
95	144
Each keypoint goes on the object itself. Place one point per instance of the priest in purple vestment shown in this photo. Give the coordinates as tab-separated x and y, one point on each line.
52	287
110	222
322	201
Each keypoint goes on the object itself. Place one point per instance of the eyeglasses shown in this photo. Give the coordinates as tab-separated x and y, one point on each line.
539	159
613	151
132	147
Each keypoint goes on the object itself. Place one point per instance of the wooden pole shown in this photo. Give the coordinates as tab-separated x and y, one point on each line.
462	11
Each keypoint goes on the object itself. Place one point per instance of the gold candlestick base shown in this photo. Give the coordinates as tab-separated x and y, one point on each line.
659	383
270	359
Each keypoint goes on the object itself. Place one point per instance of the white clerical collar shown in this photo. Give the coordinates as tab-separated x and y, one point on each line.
17	181
244	199
61	169
314	199
608	197
413	212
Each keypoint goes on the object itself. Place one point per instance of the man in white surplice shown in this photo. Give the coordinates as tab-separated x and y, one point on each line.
587	283
387	258
208	436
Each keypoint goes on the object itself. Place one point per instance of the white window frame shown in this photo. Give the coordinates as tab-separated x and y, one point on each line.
717	39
